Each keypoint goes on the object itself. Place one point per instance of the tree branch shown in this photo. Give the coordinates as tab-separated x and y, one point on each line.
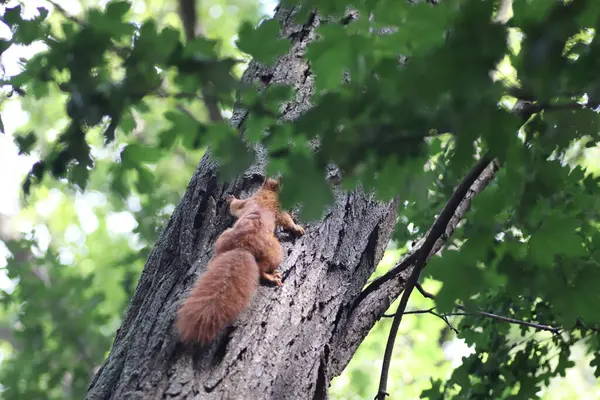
486	314
502	318
410	259
187	12
376	298
436	232
443	317
428	311
64	12
527	104
424	293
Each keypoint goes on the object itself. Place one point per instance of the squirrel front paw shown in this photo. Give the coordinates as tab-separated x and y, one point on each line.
298	230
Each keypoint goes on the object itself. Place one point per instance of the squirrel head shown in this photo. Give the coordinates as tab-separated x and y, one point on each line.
271	184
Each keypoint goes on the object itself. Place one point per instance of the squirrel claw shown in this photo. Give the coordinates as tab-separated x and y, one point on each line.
273	277
298	230
277	278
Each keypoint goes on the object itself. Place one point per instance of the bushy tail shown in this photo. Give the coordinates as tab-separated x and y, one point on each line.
219	296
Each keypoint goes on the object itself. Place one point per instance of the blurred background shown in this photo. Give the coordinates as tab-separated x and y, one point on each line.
70	260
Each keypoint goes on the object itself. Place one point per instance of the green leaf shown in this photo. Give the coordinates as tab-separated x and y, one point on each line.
167	139
262	43
79	175
12	16
145	182
532	11
556	236
596	363
460	276
421	26
329	56
433	393
25	143
229	149
117	182
135	153
200	49
256	126
116	10
183	126
4	45
304	184
111	21
168	39
127	123
274	96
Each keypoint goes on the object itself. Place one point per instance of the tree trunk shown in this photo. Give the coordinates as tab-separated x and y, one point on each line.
292	340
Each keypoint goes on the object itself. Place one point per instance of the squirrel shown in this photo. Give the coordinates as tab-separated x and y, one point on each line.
244	253
266	196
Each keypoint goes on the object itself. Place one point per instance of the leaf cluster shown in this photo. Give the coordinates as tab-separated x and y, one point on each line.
407	95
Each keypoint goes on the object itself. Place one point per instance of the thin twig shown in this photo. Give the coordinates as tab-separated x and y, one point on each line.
443	317
428	311
187	12
537	326
187	112
423	292
182	95
582	325
437	231
497	317
64	12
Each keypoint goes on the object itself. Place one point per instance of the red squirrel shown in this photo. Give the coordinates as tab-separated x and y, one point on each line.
267	197
244	253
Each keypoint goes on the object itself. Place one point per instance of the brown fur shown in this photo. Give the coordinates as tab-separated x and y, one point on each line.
243	253
266	197
254	232
219	296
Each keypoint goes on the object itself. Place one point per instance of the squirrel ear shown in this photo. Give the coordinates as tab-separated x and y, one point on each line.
272	184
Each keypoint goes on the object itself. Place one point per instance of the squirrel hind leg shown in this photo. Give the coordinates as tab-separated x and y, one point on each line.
273	256
270	260
273	277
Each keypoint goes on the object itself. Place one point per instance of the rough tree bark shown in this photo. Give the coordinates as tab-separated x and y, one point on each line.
292	340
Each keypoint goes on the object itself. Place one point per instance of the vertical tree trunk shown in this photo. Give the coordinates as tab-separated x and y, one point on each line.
292	340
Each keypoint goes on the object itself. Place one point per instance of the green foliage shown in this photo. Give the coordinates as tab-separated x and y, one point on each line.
404	104
259	42
125	153
418	357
